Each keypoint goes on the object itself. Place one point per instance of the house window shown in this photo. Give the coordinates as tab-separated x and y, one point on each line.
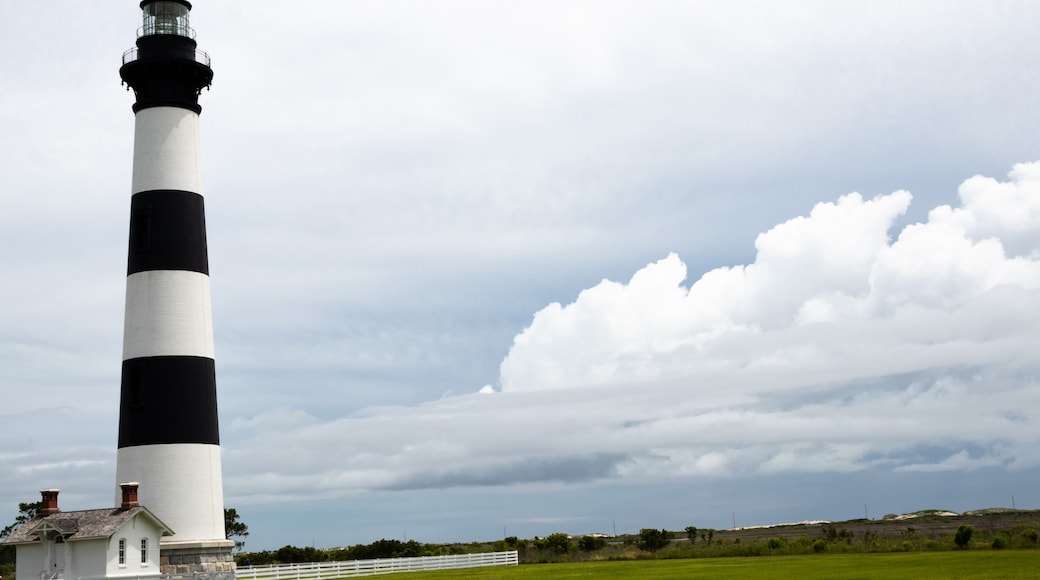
122	551
144	550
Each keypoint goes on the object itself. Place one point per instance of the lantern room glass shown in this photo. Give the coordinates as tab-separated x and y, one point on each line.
166	18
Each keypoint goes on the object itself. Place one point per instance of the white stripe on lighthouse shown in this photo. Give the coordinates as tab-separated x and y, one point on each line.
166	150
181	484
168	313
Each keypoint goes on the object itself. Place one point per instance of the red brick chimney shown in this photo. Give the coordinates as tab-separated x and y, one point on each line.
48	502
129	494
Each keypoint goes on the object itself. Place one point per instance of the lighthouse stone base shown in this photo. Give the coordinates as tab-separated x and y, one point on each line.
198	559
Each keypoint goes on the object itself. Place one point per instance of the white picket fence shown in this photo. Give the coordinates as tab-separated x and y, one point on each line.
330	570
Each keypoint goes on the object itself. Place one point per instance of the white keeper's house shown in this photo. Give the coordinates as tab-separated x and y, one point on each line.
93	544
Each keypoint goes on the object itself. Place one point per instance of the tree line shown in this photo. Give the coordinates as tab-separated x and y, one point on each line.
382	548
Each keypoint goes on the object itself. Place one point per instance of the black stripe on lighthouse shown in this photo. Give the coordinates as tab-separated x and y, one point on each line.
168	399
167	232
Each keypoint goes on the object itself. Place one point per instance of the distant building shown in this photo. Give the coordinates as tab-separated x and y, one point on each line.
89	544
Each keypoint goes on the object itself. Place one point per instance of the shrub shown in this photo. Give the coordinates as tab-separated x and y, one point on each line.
801	545
293	554
753	549
819	546
999	543
1020	535
558	543
962	537
591	543
776	543
652	540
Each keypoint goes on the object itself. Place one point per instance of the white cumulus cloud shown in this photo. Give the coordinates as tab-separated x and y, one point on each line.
838	270
844	346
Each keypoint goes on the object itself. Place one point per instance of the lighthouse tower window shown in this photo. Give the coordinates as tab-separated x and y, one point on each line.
166	18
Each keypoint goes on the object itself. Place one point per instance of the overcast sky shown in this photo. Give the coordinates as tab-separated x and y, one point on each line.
485	268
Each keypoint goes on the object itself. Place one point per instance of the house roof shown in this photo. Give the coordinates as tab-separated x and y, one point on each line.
82	525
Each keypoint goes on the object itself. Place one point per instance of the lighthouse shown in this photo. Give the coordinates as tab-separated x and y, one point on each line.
169	440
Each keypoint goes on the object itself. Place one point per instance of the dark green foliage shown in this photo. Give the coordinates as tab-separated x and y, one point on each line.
962	537
26	512
871	541
294	555
557	543
504	545
691	533
653	540
752	550
776	543
285	554
999	543
1020	536
379	549
591	543
234	527
832	534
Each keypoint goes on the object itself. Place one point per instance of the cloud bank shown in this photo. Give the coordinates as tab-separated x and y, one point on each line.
851	342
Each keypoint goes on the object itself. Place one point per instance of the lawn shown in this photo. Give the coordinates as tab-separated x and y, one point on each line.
1003	564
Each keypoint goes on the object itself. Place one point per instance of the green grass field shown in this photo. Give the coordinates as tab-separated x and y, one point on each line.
1002	564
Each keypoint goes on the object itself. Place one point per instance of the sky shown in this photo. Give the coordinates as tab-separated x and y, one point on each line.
500	268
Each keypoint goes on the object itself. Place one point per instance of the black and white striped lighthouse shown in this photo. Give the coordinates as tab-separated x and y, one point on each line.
168	435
